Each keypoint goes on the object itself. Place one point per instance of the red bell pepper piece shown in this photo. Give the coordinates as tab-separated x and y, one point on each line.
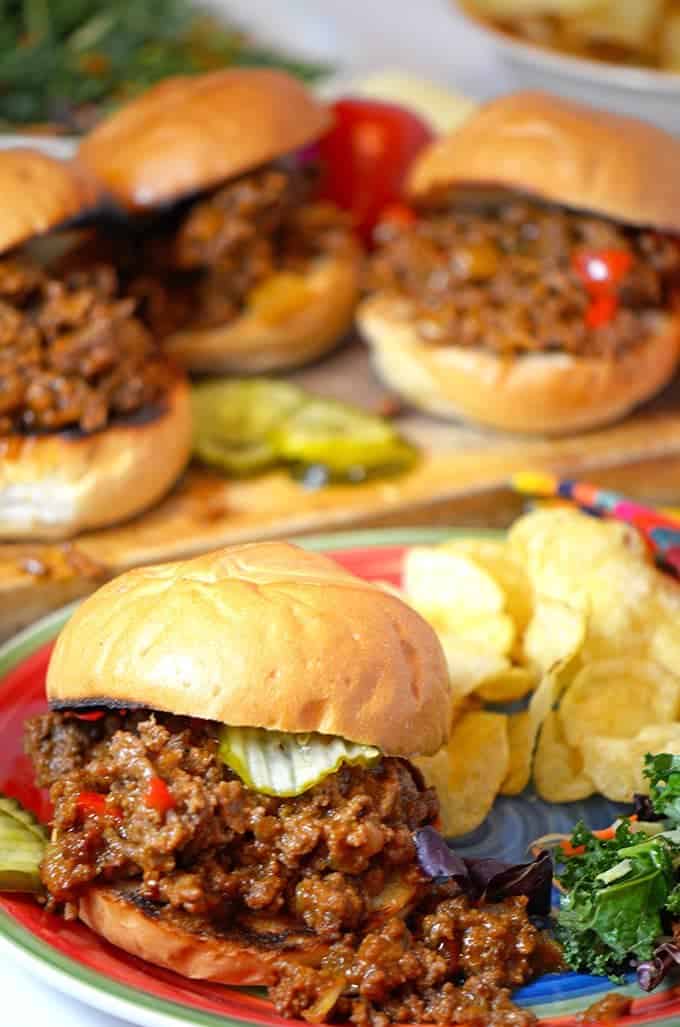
601	310
159	796
93	803
399	214
601	271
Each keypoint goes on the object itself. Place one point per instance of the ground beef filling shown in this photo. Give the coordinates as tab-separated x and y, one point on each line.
200	265
337	862
505	278
72	352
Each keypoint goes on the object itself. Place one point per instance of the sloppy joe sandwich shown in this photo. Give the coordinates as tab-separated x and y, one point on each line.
94	420
235	263
535	288
228	757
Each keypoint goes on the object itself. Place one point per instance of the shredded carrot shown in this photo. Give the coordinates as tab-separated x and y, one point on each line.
605	835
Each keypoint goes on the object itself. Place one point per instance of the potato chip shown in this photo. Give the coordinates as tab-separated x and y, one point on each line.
562	549
570	540
509	686
469	666
469	772
526	8
521	740
440	583
664	645
670	43
495	557
492	634
523	728
558	770
625	23
615	698
615	764
555	633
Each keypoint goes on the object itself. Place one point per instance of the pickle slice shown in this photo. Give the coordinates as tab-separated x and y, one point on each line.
282	764
234	419
349	443
22	846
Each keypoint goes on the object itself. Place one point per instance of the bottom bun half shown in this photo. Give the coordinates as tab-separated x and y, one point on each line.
55	485
241	960
252	344
540	393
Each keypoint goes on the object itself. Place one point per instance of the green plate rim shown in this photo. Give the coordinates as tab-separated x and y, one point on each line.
94	987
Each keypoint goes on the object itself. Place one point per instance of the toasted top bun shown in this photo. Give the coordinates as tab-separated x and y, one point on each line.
38	193
190	133
262	635
562	152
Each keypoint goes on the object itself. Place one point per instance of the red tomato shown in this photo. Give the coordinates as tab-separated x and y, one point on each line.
366	156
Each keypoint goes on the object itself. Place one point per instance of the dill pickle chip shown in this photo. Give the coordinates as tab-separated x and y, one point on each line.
233	421
348	442
22	846
278	763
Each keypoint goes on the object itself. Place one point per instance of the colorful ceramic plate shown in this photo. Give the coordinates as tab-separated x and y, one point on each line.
78	962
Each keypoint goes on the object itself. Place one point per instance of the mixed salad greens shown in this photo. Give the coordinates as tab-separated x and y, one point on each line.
621	887
67	62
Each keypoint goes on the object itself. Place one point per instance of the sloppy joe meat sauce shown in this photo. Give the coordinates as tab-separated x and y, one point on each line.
337	864
198	264
73	355
507	277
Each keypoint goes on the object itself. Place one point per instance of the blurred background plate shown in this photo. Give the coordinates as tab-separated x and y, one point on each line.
643	92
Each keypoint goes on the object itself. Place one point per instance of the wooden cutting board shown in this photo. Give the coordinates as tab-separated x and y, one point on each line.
461	478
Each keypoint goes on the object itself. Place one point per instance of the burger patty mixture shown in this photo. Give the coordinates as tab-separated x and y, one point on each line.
521	277
200	263
144	799
72	352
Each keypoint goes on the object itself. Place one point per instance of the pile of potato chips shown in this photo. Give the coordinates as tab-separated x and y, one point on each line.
570	615
644	32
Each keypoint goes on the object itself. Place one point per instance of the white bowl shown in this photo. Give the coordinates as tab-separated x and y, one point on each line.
640	92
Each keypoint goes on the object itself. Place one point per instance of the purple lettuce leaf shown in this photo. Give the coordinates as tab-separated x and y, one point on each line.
643	808
486	879
652	971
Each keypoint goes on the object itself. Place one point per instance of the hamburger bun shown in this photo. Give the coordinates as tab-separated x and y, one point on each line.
39	193
188	134
253	343
562	152
263	635
55	485
540	393
244	959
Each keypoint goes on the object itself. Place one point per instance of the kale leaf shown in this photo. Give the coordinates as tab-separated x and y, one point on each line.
616	891
663	773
